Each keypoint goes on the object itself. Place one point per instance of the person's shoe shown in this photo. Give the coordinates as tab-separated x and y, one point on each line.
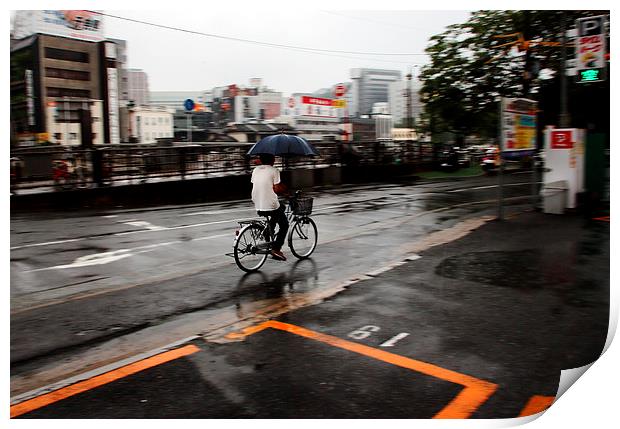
278	255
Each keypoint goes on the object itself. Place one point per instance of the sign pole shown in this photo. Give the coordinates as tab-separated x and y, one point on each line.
189	106
189	127
66	112
500	174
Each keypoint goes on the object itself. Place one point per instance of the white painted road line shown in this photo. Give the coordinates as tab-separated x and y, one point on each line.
116	255
217	212
49	243
144	224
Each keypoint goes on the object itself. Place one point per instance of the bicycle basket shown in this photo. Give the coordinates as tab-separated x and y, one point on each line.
302	206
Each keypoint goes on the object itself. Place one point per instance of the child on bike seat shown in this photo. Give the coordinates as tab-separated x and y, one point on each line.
265	187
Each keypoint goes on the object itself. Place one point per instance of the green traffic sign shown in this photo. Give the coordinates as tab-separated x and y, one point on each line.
590	75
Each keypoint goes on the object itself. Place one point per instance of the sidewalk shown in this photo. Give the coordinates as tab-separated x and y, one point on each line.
479	327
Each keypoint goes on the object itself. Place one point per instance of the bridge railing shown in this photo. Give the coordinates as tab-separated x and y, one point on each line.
52	168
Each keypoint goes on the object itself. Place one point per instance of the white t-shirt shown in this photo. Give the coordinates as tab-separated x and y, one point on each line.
263	178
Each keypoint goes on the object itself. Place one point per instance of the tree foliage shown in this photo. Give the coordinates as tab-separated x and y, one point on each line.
470	71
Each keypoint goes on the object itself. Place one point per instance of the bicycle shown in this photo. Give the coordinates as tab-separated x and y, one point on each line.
254	240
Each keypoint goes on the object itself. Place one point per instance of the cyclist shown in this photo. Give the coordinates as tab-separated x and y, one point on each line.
265	187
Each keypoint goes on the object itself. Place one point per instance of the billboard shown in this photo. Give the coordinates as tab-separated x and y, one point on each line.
304	105
518	116
76	24
113	105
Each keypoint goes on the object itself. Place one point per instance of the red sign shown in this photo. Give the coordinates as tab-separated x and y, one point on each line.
316	100
561	140
340	90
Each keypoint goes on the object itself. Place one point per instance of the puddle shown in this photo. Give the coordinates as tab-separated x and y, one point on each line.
517	269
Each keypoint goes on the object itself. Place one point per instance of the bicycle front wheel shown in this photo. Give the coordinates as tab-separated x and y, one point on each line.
250	248
303	237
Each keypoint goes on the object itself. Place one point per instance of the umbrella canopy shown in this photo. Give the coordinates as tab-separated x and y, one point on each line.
283	145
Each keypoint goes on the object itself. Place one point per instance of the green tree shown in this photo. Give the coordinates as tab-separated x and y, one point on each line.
470	69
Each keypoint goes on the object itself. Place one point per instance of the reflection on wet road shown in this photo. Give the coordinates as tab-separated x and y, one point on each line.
93	278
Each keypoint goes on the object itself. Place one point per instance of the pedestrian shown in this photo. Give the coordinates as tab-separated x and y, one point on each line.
265	187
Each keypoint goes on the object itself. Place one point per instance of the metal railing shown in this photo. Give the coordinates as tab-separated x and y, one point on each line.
68	168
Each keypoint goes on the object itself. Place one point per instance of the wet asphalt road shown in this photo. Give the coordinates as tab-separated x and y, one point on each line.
89	290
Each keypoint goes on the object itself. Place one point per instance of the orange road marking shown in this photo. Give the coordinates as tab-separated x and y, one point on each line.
100	380
537	404
247	331
602	218
476	391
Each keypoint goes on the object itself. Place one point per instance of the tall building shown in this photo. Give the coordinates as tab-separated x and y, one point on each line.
370	86
138	87
59	83
398	102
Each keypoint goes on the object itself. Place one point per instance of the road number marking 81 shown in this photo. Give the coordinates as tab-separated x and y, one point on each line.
366	331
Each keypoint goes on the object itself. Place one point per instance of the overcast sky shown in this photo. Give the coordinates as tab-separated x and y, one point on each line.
180	61
176	60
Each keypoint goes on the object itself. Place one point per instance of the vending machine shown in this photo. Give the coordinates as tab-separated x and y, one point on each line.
564	162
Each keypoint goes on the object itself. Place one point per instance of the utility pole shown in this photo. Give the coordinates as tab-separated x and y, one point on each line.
564	121
527	73
409	113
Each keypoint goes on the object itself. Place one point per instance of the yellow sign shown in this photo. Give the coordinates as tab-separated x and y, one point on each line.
339	104
42	137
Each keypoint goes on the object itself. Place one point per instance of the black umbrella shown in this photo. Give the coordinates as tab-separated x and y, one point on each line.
283	145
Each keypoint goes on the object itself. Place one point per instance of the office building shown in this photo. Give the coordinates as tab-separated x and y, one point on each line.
370	86
57	82
147	124
138	87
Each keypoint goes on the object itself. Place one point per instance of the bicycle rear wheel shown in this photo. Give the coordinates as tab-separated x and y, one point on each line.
250	248
303	237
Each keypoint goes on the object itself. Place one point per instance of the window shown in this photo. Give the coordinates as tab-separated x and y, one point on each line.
72	136
65	55
67	92
58	136
67	74
159	119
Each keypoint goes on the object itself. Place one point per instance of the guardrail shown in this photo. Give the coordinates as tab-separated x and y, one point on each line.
53	168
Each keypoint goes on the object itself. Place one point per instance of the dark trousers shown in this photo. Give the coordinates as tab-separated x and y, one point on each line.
277	217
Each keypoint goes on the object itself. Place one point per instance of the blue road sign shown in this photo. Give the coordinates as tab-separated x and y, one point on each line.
189	104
